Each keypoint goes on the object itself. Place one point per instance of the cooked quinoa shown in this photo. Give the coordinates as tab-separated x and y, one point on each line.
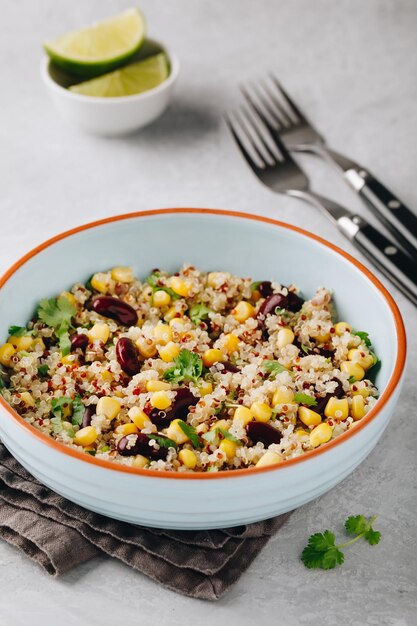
193	371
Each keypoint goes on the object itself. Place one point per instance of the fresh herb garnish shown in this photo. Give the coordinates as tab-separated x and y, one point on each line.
191	433
212	435
18	331
275	367
43	370
255	286
187	366
77	411
351	380
153	281
304	398
198	313
58	313
56	424
305	348
322	552
364	336
164	442
227	435
75	407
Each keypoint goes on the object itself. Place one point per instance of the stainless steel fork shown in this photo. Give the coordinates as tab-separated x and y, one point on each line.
273	104
281	173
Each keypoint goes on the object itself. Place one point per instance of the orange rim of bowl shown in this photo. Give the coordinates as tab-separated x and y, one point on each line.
111	465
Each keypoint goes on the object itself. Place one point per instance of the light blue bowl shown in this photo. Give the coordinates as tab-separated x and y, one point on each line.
211	240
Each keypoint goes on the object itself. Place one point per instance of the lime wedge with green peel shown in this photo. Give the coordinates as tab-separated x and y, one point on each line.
100	48
129	80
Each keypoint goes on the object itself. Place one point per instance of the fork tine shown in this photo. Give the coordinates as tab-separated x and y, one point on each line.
285	118
249	123
259	111
290	103
242	148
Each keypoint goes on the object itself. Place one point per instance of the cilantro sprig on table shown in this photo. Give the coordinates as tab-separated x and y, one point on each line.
322	552
188	366
58	313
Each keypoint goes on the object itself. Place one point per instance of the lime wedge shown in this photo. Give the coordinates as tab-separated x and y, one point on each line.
129	80
101	47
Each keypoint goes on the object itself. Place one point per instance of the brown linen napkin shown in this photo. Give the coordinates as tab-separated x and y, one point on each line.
59	535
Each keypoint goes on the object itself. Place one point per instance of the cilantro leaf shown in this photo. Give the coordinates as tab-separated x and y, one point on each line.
64	340
164	442
153	281
321	552
191	433
275	367
254	286
356	524
77	411
364	336
372	536
43	370
56	424
198	313
305	348
304	398
227	435
210	437
18	331
56	312
187	366
351	380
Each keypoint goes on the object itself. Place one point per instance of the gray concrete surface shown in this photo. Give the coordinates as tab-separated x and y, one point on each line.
353	66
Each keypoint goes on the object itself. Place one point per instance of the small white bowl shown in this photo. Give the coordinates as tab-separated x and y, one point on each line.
112	116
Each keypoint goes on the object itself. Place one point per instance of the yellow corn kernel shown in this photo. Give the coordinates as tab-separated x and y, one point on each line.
106	376
231	343
146	347
27	398
205	387
216	279
341	328
261	411
243	311
360	388
69	296
308	417
364	359
300	433
109	407
122	274
256	295
178	323
161	298
269	458
358	408
243	414
6	353
157	385
38	344
353	369
223	424
99	282
176	433
169	352
139	417
188	458
180	286
229	448
127	429
321	336
69	359
86	436
285	337
337	408
320	434
99	332
21	343
282	395
160	400
140	461
162	334
212	356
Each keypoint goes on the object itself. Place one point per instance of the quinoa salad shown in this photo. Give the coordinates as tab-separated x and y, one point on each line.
188	372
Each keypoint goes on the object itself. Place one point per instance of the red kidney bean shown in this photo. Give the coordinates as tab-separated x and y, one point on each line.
228	367
275	301
140	446
294	302
127	356
79	341
88	414
321	402
265	288
116	309
178	410
267	434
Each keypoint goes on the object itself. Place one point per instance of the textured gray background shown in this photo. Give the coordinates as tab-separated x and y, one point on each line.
352	64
